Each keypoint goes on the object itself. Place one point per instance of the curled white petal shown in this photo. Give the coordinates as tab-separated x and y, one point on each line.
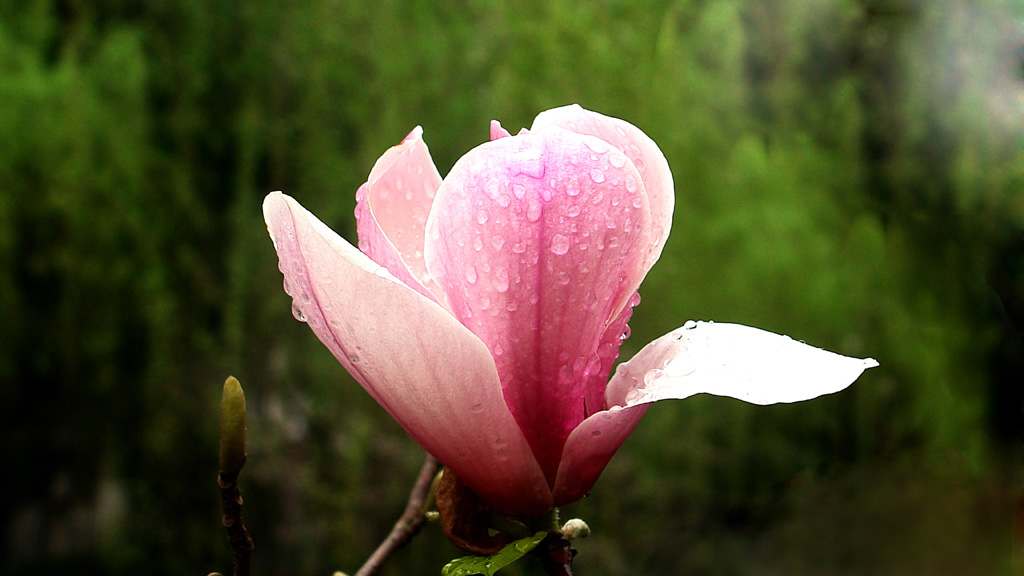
732	360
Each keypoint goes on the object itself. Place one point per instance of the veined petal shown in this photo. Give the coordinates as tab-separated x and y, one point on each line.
392	209
731	360
427	370
639	148
538	243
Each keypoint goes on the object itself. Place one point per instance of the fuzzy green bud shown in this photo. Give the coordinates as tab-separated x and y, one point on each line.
232	428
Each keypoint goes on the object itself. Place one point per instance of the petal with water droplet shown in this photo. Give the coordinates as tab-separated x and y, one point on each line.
732	360
541	272
636	146
426	369
391	224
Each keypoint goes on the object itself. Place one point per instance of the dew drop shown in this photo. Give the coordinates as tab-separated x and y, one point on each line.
596	145
689	325
497	241
297	313
519	191
504	200
597	176
652	376
559	244
533	209
617	160
481	217
638	202
572	187
471	274
500	279
477	408
519	247
573	211
563	277
631	184
596	433
478	244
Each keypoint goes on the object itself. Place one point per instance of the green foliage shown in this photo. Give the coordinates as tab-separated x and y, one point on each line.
848	172
490	565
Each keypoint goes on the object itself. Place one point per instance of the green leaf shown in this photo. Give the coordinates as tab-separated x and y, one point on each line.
489	565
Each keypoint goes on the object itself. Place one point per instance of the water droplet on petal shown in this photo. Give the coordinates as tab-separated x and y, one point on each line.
689	325
617	160
471	274
477	408
596	145
519	191
597	176
519	247
596	433
497	241
653	376
559	244
638	202
534	209
297	313
563	277
500	279
573	211
481	217
572	187
631	184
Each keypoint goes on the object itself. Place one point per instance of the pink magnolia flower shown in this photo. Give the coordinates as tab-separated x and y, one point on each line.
484	310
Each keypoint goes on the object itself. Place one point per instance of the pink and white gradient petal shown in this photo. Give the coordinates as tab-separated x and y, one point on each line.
411	355
731	360
538	242
392	209
639	148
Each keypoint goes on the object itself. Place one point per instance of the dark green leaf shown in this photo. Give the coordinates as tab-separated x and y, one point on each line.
489	565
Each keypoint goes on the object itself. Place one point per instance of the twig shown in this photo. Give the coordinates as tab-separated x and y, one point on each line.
231	500
409	524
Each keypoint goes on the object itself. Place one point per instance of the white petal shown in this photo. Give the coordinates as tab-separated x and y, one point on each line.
731	360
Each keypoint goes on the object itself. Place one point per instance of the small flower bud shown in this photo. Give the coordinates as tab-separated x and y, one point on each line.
575	528
232	428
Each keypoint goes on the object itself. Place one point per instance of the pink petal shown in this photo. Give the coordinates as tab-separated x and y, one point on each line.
639	148
428	371
538	243
392	209
589	448
731	360
497	131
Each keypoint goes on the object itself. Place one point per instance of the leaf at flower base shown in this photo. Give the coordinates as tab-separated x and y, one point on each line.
489	565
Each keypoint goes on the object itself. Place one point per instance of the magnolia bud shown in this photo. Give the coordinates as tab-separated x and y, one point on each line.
575	528
232	428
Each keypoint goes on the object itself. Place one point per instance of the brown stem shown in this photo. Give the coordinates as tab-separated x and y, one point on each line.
231	501
409	524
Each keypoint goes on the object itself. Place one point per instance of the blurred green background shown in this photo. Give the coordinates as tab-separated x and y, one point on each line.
848	172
